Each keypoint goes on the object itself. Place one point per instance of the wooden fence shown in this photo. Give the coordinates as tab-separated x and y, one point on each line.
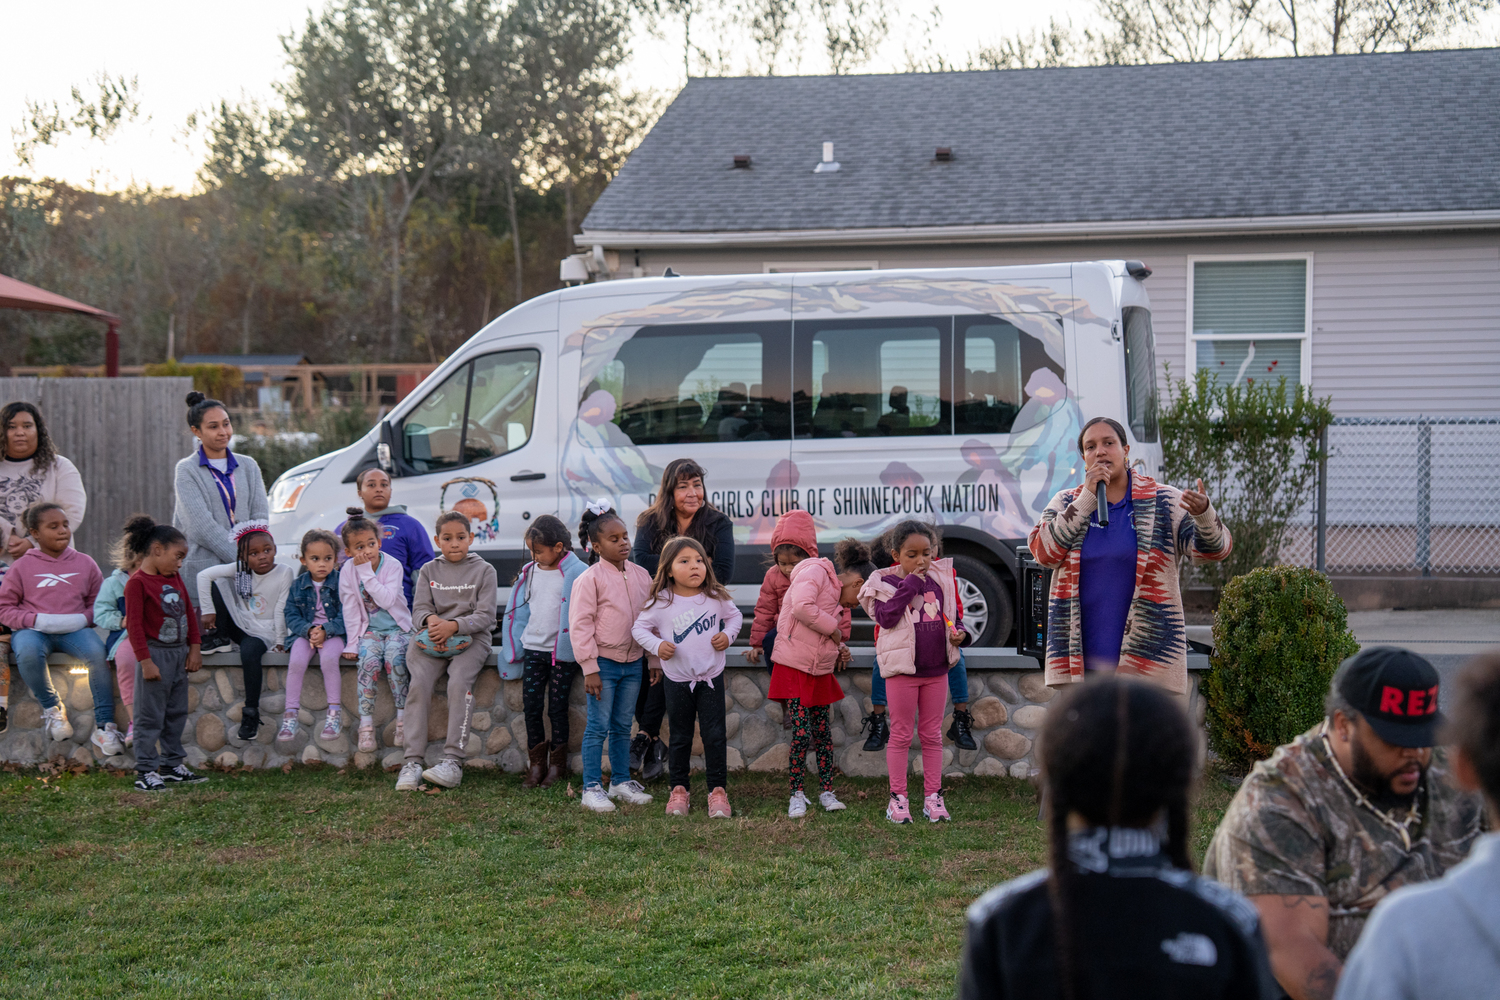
124	434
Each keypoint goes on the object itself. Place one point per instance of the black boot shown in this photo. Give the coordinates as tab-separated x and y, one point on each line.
959	732
249	724
880	731
655	762
639	744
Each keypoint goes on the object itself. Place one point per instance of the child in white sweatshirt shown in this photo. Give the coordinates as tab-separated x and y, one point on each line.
687	625
248	598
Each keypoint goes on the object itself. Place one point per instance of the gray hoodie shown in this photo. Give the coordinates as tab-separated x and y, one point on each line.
1435	941
465	592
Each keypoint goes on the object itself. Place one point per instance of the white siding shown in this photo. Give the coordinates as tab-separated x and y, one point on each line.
1401	324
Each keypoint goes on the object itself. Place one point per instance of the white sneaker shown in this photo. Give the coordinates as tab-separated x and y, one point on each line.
631	791
108	739
595	800
797	808
410	777
56	722
830	802
448	773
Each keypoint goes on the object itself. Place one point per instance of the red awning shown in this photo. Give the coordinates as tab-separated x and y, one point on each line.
19	295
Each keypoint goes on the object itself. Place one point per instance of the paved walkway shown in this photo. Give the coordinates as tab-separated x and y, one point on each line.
1446	637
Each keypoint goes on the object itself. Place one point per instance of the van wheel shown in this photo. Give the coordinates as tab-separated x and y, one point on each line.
988	614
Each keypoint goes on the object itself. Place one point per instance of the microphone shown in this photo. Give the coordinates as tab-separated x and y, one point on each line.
1103	502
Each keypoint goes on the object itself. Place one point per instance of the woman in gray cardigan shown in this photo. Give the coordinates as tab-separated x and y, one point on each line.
216	489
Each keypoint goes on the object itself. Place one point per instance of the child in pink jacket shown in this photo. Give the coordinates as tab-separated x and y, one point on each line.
377	622
914	603
605	602
810	634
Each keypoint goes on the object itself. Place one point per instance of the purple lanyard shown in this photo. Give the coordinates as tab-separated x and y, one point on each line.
225	482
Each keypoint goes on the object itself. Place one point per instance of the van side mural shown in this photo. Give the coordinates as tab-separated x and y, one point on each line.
484	522
999	483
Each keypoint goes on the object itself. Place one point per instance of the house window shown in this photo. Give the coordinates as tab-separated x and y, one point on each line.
1250	319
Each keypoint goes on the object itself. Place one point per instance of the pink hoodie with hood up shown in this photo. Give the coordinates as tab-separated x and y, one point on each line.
809	630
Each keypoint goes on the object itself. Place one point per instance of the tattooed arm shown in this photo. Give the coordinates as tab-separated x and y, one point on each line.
1296	932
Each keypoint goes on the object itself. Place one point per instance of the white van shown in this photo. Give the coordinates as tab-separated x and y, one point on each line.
954	395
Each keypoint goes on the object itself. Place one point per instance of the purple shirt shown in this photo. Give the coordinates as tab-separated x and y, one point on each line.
931	631
1106	584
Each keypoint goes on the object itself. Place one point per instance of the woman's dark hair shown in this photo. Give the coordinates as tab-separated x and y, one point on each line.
316	535
1474	721
892	540
45	455
1119	753
141	533
356	524
548	531
662	514
359	478
31	517
448	517
589	527
198	405
851	555
1114	425
711	586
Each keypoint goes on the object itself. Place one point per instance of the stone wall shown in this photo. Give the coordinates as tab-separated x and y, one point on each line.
1006	696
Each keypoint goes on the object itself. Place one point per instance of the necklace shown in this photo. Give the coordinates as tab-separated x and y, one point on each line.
1402	827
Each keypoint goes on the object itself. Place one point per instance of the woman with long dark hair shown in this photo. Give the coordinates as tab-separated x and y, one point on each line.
1115	603
681	507
1118	913
31	471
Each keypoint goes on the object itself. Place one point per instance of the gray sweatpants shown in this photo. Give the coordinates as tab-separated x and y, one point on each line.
462	671
161	709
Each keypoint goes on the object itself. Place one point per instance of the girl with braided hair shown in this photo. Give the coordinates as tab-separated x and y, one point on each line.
1118	913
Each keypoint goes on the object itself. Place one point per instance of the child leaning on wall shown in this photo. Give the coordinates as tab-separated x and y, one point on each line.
109	614
377	622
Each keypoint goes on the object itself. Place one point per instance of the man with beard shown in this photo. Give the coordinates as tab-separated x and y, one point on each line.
1346	813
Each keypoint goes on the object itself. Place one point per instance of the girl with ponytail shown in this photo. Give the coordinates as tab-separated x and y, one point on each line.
1118	912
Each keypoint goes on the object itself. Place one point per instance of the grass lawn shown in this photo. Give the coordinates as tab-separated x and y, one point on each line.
322	884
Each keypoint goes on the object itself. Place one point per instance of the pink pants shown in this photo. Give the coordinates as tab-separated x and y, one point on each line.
125	662
328	661
916	702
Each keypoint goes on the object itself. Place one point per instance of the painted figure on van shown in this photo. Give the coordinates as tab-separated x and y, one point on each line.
483	525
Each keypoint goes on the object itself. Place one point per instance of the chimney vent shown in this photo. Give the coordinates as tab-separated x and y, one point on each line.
742	161
829	164
944	154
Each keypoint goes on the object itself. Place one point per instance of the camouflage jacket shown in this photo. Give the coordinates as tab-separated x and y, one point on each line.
1293	829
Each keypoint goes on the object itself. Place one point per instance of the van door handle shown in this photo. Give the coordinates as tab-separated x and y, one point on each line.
526	477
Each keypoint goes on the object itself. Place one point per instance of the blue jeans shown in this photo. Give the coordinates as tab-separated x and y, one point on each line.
610	715
32	648
958	683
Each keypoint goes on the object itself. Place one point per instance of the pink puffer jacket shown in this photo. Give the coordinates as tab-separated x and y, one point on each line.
808	635
896	647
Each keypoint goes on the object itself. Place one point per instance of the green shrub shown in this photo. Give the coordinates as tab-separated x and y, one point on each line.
214	381
1279	634
279	443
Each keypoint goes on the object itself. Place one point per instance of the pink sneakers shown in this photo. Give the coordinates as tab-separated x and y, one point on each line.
933	808
367	737
718	804
677	802
897	810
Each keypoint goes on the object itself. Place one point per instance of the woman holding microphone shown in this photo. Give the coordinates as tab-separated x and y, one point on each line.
1116	602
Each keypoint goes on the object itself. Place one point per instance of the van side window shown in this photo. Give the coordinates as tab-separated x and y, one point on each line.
1140	374
480	411
996	362
873	378
699	384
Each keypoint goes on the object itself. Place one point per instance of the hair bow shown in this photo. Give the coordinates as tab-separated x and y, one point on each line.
600	507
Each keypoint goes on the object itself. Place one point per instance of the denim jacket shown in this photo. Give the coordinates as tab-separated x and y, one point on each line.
300	609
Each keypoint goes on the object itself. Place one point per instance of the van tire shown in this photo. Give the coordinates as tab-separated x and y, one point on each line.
979	587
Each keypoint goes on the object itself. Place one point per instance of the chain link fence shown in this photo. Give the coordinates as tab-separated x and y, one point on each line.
1406	495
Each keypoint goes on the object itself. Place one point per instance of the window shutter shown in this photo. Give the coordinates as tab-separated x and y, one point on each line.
1249	297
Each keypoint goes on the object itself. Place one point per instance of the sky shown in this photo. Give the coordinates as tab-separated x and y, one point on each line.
190	55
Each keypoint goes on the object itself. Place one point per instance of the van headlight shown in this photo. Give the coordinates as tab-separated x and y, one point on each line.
289	489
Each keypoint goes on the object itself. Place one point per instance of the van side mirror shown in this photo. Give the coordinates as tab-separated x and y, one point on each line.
385	451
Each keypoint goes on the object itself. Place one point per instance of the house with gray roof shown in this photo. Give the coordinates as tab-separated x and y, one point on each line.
1334	219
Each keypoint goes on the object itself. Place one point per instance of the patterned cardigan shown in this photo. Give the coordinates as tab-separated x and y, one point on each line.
1155	645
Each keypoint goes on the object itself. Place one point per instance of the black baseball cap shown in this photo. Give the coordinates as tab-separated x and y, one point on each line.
1396	691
